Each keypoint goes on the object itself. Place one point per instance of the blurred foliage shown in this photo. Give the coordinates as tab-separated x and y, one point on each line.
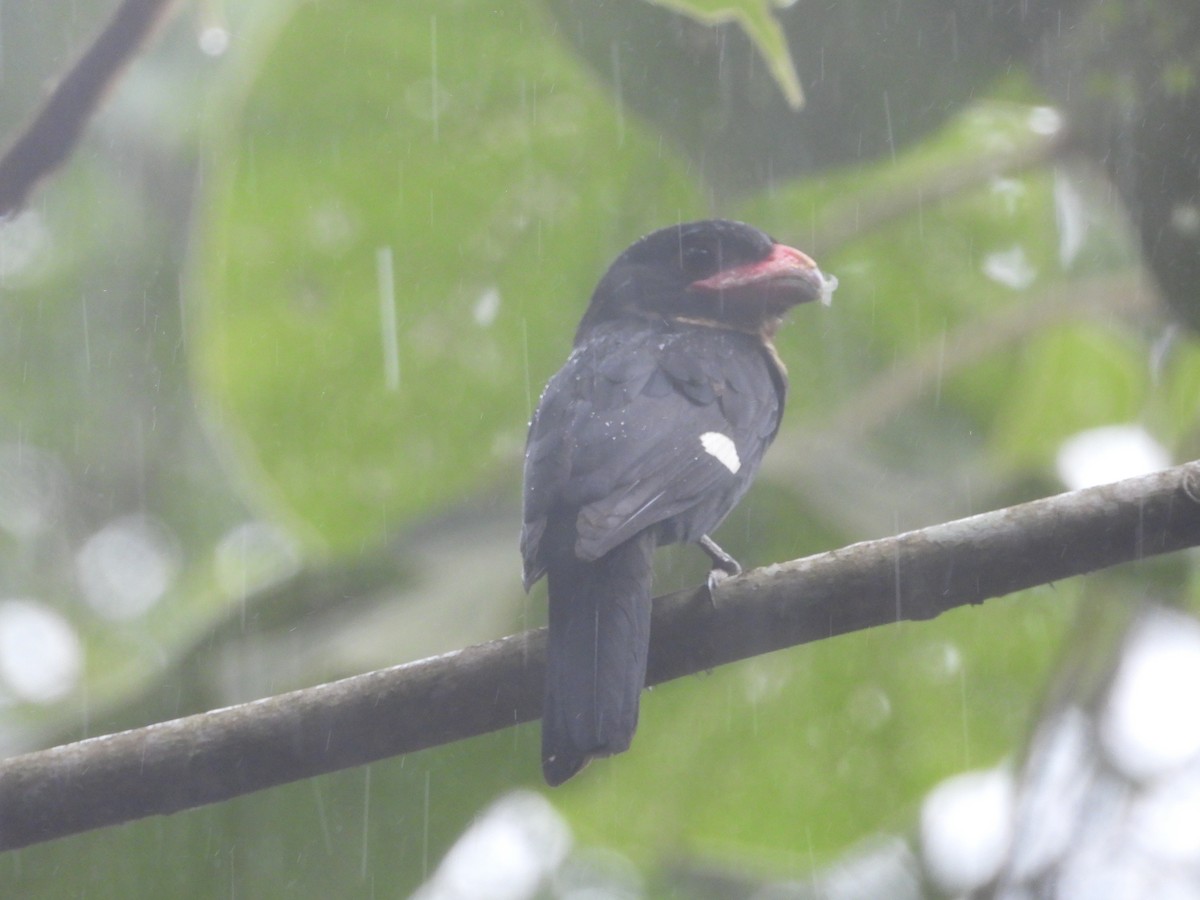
757	19
1129	75
325	515
474	169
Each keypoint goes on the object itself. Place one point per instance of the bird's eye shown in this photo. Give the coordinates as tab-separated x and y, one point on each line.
699	261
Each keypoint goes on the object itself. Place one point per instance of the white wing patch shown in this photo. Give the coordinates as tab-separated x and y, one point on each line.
720	446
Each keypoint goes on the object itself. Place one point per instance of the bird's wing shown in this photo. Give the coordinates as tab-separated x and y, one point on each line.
640	427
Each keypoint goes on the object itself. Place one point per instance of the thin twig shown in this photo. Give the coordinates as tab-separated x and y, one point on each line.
864	212
871	407
48	141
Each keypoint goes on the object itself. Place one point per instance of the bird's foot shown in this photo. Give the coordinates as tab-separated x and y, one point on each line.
716	577
724	566
721	560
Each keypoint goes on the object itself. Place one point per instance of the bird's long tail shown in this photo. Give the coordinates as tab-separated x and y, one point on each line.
596	655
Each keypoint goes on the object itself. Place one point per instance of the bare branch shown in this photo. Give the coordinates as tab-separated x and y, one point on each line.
51	137
918	575
860	214
1125	294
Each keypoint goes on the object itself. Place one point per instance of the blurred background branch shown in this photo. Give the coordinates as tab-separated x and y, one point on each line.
54	132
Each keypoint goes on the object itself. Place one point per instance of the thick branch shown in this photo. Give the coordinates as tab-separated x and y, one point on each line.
52	135
214	756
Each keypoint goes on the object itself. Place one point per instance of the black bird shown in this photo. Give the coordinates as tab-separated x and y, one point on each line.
649	435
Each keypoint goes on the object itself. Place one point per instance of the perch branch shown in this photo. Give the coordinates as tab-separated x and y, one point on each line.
217	755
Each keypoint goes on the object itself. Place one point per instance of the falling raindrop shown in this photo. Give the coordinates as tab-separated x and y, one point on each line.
387	318
618	93
887	119
435	111
87	337
366	823
322	817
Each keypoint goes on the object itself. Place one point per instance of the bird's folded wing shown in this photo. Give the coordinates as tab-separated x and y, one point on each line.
635	434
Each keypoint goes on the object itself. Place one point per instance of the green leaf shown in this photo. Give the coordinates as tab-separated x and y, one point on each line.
1070	379
758	21
481	170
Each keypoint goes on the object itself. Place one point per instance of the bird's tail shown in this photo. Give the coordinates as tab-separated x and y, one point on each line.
596	655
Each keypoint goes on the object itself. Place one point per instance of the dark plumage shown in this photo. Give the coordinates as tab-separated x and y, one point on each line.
649	434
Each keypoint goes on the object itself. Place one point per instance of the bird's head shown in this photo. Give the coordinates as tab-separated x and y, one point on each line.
716	272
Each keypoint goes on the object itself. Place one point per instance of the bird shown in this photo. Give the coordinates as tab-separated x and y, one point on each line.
648	435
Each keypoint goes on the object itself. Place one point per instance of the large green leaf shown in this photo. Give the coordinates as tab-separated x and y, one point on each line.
757	19
392	263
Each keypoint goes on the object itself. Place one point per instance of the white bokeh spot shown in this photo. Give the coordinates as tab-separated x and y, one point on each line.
1149	726
1107	454
41	656
966	827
